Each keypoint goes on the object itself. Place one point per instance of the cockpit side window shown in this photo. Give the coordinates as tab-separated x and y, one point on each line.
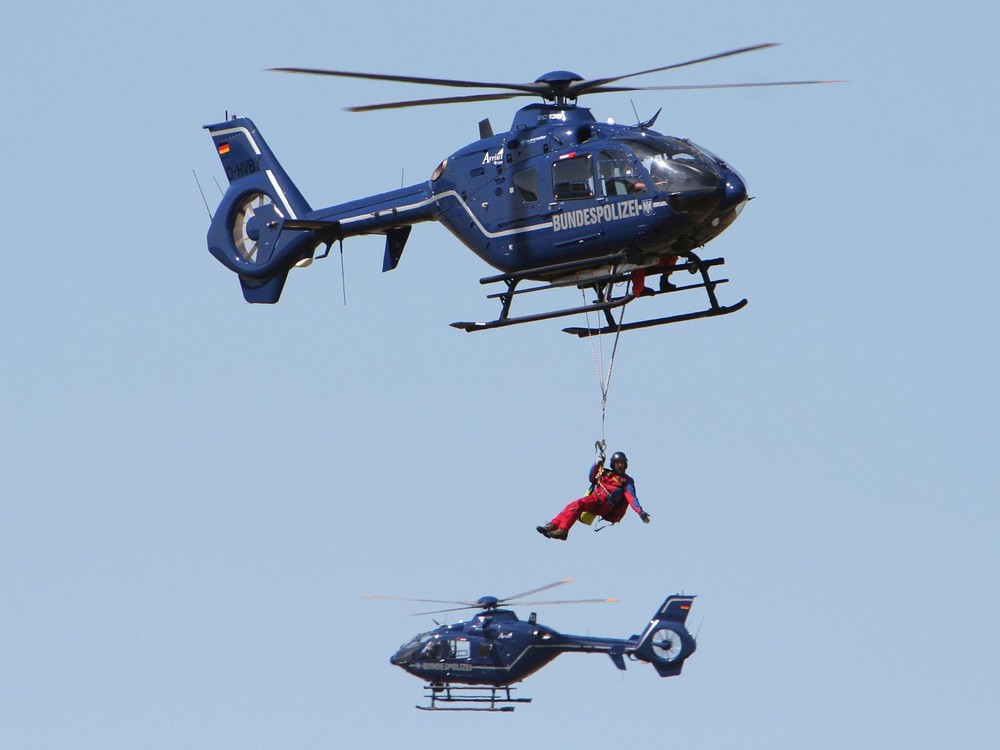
573	178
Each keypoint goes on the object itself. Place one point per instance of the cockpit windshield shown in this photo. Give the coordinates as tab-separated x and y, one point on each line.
675	165
417	640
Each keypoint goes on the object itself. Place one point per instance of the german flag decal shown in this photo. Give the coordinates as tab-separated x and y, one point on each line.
223	148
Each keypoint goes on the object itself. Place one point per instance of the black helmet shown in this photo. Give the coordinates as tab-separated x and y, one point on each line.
618	456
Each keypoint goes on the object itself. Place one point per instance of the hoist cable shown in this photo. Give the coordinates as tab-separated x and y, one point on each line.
597	354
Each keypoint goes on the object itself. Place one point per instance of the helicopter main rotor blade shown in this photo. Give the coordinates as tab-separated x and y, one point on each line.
698	86
442	100
553	88
563	601
505	603
535	591
528	88
425	601
450	609
583	87
599	90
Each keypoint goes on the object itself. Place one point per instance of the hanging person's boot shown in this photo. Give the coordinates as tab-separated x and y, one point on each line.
546	529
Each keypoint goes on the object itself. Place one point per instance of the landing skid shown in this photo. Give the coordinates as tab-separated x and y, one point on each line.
498	698
709	313
605	303
602	306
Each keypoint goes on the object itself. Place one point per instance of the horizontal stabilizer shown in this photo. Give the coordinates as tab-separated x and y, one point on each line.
313	225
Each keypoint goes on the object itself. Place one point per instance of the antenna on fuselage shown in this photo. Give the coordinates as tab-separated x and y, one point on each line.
198	182
698	629
648	123
343	274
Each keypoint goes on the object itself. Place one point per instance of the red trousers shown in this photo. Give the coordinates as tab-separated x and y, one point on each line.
571	513
639	274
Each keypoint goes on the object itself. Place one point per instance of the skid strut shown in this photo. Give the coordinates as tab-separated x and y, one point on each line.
693	265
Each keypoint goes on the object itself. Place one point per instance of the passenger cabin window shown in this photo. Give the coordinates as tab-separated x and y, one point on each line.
460	649
573	178
526	182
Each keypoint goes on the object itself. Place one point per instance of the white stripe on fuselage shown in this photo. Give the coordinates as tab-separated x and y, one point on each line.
485	232
456	196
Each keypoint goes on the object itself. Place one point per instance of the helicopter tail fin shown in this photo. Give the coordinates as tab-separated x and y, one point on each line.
246	230
666	642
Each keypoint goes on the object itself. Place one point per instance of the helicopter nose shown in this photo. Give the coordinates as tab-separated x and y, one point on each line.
695	205
735	195
696	190
398	659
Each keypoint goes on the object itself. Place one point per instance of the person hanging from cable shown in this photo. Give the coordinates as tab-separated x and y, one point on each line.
611	492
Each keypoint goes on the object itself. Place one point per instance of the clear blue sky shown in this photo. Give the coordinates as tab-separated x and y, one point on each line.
195	492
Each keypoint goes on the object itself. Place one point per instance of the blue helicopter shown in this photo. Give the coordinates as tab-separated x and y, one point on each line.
472	665
560	199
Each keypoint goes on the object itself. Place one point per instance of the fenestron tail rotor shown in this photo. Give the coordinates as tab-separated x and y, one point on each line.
245	233
667	644
558	86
